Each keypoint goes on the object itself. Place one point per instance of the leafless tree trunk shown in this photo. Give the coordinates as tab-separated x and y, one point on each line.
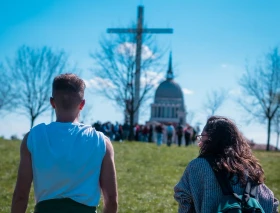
215	100
260	86
277	129
276	123
33	70
115	71
7	91
277	141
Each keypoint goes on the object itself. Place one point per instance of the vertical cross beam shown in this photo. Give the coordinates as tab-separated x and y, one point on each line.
138	61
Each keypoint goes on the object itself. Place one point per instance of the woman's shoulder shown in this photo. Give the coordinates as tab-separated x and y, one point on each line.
198	161
267	199
264	191
199	172
198	164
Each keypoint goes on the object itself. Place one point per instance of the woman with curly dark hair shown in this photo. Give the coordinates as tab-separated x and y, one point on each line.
199	191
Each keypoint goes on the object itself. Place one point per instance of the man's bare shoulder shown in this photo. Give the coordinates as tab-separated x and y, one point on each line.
109	146
24	143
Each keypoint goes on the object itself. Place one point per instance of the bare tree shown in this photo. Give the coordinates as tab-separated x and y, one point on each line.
7	91
260	86
33	70
277	127
276	123
215	100
115	71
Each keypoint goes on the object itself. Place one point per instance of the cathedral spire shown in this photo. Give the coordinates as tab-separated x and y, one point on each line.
169	75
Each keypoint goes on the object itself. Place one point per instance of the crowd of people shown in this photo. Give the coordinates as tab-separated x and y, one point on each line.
154	132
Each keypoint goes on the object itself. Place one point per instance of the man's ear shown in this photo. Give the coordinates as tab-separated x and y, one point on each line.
82	104
52	102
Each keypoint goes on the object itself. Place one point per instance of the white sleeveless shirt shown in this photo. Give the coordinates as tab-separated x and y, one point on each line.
66	161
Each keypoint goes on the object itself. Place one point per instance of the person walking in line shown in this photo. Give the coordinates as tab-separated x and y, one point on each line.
179	132
187	133
145	133
159	132
170	132
151	132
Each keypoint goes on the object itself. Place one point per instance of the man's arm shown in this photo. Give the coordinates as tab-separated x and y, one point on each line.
108	181
24	179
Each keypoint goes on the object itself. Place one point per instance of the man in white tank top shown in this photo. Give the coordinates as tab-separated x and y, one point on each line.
69	163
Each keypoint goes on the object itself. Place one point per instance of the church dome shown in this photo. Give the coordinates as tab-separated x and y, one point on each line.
169	89
169	105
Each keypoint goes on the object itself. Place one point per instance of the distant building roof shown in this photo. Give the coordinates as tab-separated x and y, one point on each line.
169	89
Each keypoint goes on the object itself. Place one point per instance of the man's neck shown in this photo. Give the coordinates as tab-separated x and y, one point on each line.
67	119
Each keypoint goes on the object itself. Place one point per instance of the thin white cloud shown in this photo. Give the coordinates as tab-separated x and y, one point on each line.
99	83
130	49
146	52
153	78
187	91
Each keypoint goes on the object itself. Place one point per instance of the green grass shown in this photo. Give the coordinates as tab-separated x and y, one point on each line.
146	175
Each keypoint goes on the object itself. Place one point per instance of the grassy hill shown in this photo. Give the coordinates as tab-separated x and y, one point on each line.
146	174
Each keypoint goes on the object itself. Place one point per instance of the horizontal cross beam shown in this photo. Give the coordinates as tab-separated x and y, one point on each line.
147	30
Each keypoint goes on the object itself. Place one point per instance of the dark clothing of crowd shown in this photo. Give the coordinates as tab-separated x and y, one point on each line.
146	133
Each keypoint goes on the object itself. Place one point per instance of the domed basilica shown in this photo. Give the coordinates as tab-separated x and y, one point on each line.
169	105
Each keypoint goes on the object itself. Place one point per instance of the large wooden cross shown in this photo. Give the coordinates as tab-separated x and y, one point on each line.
139	31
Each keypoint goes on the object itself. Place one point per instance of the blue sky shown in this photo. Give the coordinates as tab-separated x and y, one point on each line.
211	42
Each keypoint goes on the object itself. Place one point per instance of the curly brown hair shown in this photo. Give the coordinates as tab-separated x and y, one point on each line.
230	150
